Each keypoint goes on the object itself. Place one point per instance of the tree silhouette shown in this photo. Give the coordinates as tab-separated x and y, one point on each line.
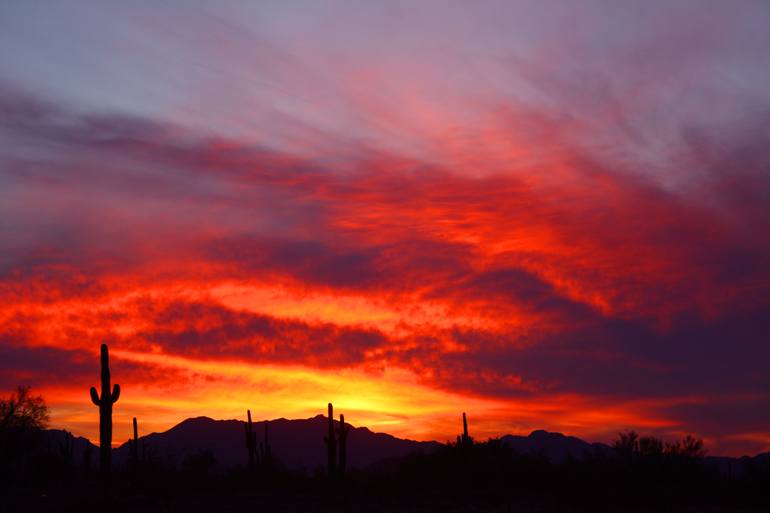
630	446
689	447
22	417
23	411
627	445
650	447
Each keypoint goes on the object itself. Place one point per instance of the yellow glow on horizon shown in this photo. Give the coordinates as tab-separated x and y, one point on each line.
389	399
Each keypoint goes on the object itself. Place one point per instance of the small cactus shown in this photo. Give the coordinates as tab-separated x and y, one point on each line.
105	402
87	458
331	445
133	446
465	440
266	454
66	448
251	440
342	434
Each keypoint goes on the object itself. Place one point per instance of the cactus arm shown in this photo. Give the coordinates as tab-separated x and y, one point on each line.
95	397
105	402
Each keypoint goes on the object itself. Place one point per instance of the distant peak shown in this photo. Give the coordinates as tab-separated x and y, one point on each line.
202	418
194	421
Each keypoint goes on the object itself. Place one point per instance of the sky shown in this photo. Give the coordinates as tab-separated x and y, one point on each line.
549	215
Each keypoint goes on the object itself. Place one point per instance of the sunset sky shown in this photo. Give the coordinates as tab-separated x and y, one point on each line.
549	215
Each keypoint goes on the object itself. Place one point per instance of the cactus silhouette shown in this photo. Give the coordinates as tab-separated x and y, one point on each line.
342	435
331	445
66	447
266	455
465	440
87	458
105	402
251	440
133	446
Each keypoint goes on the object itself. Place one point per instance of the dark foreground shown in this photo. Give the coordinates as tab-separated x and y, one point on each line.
483	477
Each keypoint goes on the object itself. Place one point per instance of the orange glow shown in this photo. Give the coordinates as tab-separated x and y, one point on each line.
389	400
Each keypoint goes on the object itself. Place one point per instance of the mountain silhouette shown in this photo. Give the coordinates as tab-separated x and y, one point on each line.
54	440
297	444
554	446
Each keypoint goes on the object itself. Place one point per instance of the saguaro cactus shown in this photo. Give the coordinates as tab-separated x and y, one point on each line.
466	440
266	455
133	446
342	434
87	458
66	448
251	440
105	402
331	445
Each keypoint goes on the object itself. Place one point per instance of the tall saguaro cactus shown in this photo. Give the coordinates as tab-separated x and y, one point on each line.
251	440
342	434
105	402
331	445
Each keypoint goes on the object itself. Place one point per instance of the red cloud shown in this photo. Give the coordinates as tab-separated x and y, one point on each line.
562	277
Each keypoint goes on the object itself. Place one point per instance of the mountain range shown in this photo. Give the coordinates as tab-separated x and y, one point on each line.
298	444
